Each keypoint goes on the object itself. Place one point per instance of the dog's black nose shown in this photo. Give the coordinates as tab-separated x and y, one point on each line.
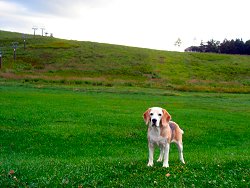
154	121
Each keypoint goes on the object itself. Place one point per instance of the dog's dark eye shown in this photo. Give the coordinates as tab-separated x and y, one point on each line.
151	114
159	114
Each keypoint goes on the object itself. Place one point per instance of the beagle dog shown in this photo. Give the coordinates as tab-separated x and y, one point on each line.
161	132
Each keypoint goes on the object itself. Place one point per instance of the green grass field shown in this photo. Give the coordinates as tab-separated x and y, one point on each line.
96	137
71	115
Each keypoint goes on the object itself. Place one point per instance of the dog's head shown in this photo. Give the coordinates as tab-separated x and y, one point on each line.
156	117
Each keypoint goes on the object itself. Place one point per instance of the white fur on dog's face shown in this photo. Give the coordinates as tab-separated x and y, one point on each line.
156	114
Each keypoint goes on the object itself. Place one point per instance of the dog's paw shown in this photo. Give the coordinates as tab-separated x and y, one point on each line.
150	164
165	165
159	160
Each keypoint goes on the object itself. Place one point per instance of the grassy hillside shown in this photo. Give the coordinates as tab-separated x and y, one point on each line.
51	60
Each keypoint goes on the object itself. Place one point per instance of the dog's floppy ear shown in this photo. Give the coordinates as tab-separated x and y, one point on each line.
165	118
146	116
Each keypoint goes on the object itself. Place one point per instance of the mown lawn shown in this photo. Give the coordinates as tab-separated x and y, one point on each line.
53	137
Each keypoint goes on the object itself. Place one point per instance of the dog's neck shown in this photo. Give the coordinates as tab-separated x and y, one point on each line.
158	131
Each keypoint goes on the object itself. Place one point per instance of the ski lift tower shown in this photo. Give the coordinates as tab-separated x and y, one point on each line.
34	28
42	28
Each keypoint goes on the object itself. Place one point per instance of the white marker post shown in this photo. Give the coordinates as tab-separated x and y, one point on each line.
24	41
0	59
14	45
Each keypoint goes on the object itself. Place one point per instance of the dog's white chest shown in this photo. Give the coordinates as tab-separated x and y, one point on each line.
158	140
155	138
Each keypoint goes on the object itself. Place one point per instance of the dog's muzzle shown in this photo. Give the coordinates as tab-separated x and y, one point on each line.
154	122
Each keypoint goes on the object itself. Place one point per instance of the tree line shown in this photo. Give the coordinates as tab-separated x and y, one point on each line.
236	46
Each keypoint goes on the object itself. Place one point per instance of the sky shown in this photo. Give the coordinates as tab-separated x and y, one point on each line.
154	24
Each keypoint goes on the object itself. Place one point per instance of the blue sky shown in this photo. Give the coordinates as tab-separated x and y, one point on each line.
155	24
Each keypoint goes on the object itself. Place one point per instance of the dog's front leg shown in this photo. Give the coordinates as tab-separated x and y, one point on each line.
161	153
166	154
151	154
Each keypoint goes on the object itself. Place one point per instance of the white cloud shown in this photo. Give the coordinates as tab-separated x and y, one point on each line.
144	23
